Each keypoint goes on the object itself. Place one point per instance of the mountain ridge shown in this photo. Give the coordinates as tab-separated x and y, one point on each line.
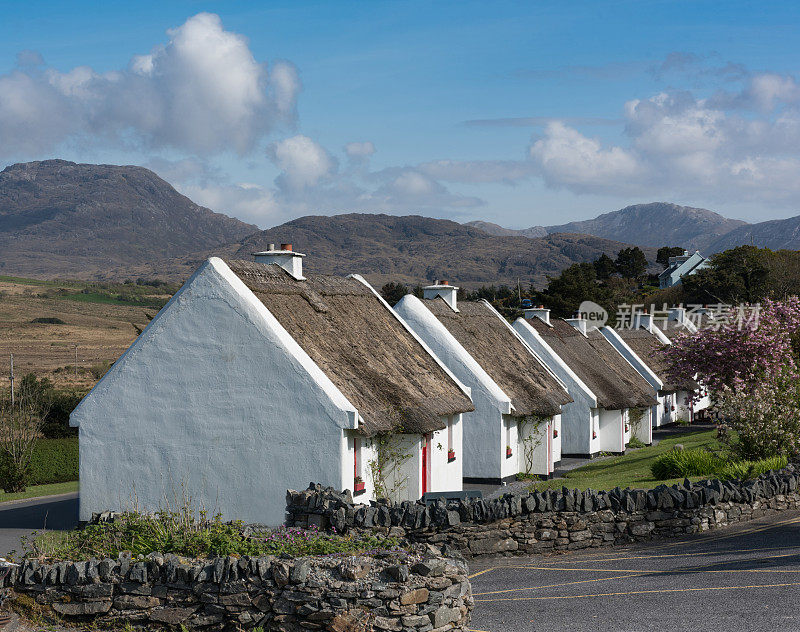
652	224
77	219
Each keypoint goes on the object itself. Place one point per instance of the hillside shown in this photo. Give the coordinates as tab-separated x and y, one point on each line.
415	249
775	234
655	224
59	218
495	229
42	322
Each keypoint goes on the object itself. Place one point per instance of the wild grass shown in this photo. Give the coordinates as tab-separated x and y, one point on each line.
183	534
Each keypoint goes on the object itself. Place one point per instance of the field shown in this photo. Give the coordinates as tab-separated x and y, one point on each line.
632	469
45	324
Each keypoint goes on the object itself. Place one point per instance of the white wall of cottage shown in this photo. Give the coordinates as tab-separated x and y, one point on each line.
216	400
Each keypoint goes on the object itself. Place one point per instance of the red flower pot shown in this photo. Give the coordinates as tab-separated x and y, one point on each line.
451	455
358	486
509	453
594	435
555	433
626	428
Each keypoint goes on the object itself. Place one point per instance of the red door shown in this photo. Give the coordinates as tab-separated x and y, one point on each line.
424	463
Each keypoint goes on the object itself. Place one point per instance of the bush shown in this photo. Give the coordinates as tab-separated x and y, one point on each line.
183	534
683	463
54	461
744	470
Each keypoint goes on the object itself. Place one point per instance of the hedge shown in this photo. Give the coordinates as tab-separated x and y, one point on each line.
54	461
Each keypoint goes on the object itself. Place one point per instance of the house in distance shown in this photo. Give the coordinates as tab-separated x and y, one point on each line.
516	425
612	402
255	379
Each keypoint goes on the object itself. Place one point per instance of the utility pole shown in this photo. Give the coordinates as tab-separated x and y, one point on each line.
76	362
12	380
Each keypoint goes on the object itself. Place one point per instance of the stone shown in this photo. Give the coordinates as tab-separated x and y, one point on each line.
420	595
354	568
399	573
300	572
444	615
430	567
171	616
76	609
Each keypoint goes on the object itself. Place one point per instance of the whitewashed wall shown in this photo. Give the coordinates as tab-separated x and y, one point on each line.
576	417
216	399
611	432
446	476
484	434
541	445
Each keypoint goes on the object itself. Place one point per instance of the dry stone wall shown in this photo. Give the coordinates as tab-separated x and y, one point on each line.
552	520
399	591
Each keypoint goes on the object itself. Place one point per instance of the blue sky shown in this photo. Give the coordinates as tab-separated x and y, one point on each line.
517	113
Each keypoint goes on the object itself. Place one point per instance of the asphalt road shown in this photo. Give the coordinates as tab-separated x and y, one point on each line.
745	578
18	518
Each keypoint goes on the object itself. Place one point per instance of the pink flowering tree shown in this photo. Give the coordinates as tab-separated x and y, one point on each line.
752	373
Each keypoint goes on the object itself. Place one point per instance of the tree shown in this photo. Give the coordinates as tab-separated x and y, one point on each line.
753	374
740	274
20	426
665	252
575	284
631	262
604	267
392	292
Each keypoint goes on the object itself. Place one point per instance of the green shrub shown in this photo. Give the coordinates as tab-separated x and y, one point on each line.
744	470
54	461
683	463
183	534
636	442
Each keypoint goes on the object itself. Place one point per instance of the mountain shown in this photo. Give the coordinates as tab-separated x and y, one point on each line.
63	219
775	234
655	224
495	229
415	249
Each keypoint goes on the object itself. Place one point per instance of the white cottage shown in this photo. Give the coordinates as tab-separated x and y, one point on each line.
254	379
642	347
516	426
691	400
611	401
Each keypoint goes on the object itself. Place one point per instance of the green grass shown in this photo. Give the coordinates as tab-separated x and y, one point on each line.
24	281
111	299
631	470
41	490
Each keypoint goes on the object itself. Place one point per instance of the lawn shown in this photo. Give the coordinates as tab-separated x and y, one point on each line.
41	490
632	469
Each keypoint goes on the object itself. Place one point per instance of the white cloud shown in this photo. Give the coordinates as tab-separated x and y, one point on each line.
202	92
566	157
359	152
303	162
729	147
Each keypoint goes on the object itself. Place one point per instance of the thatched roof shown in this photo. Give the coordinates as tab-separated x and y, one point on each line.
651	350
616	383
508	361
361	346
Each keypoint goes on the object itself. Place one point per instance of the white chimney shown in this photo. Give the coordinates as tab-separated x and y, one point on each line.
445	290
581	324
643	320
542	313
678	314
284	257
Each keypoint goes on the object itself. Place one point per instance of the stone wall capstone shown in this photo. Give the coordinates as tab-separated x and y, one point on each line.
552	520
418	591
